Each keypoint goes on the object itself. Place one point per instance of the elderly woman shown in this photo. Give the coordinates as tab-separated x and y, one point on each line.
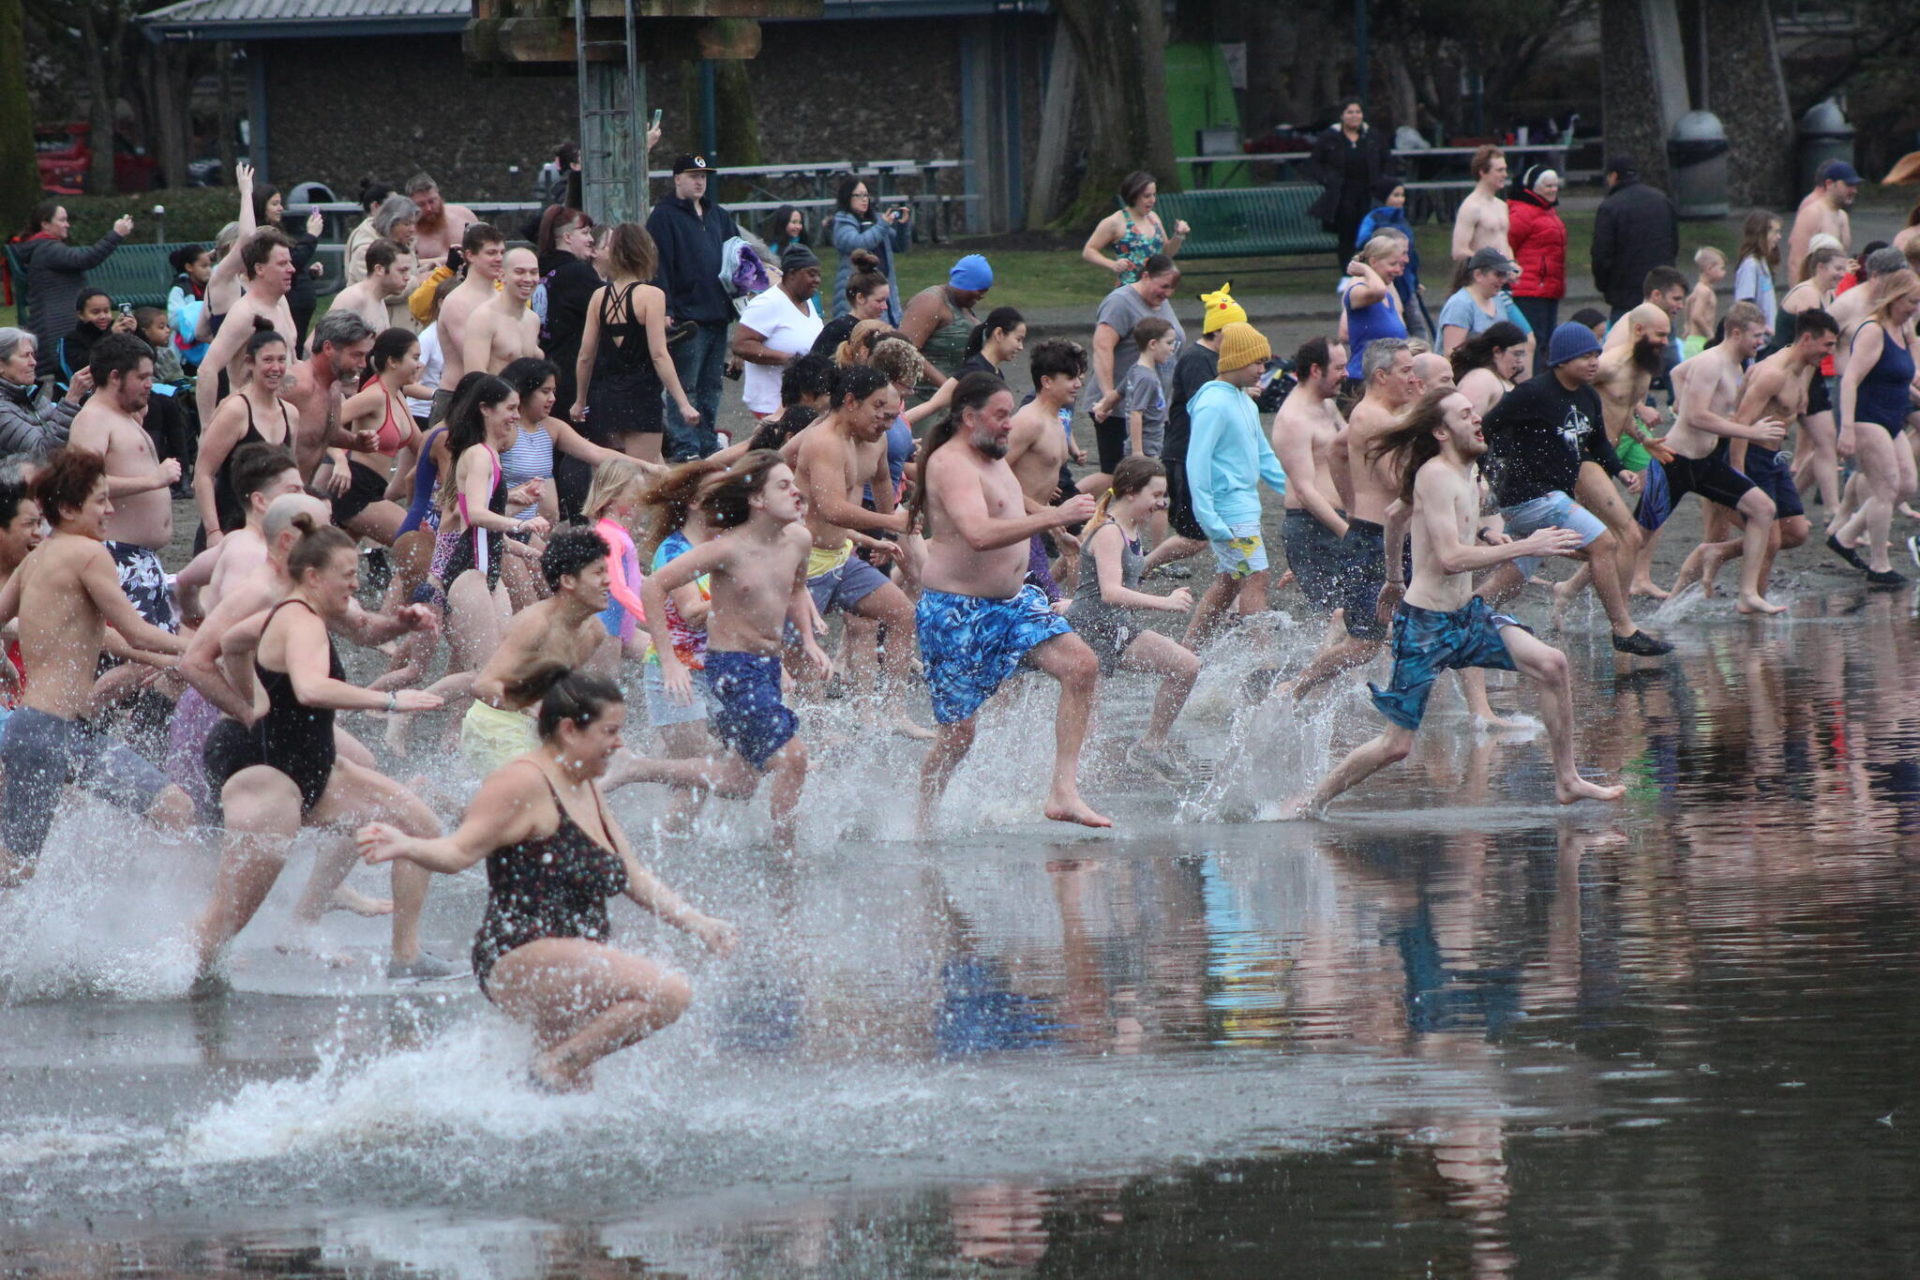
1539	240
27	425
393	220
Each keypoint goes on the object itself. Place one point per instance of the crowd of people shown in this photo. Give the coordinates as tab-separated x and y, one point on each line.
530	441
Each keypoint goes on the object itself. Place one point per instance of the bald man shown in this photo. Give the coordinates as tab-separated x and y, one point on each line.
503	328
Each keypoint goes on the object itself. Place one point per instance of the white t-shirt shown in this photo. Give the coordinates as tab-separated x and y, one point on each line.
785	328
432	360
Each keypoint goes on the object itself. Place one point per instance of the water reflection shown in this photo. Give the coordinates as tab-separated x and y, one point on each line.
1454	1032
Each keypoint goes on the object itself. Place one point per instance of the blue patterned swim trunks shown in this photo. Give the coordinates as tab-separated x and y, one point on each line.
1427	642
971	644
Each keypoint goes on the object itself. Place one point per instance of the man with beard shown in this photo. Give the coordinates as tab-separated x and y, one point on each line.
1824	209
1625	372
440	225
1537	438
341	342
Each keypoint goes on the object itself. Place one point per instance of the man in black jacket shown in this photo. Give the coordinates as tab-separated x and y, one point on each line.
1637	229
690	231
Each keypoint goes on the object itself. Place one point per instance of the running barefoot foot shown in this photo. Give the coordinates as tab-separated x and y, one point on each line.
1565	591
1646	588
1758	604
1286	580
1071	808
1500	724
1710	562
906	728
1298	809
345	899
1574	790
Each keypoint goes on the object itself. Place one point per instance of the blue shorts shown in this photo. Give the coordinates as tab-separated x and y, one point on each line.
845	585
1427	642
1775	479
1553	510
747	714
1242	555
1363	575
970	644
42	753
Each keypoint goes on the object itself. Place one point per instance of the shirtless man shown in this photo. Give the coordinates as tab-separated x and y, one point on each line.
1309	438
1777	389
1441	623
1709	393
440	225
1364	599
486	253
139	524
267	259
1430	370
340	343
261	473
65	594
834	459
1824	209
1627	368
389	274
1037	446
977	622
502	329
1482	220
756	565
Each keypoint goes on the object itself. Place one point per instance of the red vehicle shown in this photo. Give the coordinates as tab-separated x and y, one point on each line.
64	155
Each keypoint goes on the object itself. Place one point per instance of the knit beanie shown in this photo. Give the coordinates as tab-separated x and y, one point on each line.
1570	342
1221	311
1241	345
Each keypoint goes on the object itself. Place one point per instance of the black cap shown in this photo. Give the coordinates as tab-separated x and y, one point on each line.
691	164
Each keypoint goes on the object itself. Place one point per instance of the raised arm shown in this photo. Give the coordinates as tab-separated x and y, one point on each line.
226	344
229	267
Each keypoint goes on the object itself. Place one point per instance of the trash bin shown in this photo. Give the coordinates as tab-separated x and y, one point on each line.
1697	159
1824	135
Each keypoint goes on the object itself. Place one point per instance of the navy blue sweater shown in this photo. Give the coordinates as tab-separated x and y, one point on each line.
689	246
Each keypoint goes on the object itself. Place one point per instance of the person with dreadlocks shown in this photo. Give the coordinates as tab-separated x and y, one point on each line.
1440	623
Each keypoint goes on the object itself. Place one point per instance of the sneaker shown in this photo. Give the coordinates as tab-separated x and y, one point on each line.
425	968
1155	759
1845	552
1641	645
1885	578
1176	569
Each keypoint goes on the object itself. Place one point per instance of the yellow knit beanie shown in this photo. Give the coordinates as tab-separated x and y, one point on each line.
1241	345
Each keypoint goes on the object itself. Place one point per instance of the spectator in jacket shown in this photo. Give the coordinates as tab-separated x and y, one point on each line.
1390	213
56	271
269	208
394	218
94	318
1637	229
1349	159
856	226
1539	240
28	425
691	231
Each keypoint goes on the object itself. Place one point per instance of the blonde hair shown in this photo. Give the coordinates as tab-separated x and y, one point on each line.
1383	245
897	361
611	479
1707	253
854	350
1894	286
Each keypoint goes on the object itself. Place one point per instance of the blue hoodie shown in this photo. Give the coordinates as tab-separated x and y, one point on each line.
1227	458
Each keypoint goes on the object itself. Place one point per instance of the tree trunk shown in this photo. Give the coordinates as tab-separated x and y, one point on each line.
19	176
1633	101
99	102
1747	90
1123	83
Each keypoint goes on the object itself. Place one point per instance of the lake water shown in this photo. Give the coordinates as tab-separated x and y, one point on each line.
1453	1030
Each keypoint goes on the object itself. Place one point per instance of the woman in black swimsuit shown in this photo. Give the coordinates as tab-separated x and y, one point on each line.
254	415
554	857
624	364
282	771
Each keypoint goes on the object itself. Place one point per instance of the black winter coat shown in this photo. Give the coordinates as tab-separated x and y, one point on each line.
1636	230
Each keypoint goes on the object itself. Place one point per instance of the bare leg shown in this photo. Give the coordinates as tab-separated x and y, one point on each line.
1602	554
1212	609
1547	667
890	607
325	889
262	812
1367	759
585	1001
1473	687
1758	508
1642	579
356	795
1595	490
951	742
1156	654
788	769
1341	653
1171	549
1067	659
1819	462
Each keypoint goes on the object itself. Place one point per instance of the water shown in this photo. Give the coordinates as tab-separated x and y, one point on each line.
1452	1031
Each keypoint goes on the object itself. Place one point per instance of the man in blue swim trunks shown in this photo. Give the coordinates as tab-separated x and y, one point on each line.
1440	623
758	568
977	620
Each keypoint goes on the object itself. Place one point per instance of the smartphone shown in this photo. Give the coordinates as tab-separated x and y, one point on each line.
656	118
126	308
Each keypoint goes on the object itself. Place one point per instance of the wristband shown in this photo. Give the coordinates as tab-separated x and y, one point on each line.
393	702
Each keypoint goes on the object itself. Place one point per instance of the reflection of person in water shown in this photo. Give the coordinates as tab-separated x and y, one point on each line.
978	1009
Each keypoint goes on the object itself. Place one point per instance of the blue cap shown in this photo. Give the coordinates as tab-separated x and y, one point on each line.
1570	342
1839	171
971	273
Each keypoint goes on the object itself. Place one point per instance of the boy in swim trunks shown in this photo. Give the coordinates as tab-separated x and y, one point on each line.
757	567
977	619
1441	623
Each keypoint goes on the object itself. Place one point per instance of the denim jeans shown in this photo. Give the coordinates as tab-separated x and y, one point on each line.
699	359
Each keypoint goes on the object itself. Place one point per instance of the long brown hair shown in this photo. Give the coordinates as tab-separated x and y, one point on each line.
670	501
1753	238
1412	444
1135	472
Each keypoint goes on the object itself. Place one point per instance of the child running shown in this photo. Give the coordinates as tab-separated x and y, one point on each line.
757	568
1111	561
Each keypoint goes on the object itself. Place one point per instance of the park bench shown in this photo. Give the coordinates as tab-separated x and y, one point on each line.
137	275
1248	222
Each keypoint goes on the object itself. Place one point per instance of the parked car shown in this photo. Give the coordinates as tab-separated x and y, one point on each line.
64	153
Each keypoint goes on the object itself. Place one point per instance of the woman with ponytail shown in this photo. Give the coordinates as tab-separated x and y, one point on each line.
1001	337
554	857
283	771
1111	560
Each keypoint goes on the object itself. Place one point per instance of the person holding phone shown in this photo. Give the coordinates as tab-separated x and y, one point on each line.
856	226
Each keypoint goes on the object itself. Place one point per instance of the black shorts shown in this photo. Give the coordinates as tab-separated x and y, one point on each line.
1363	574
1775	479
365	486
1712	477
1180	502
1317	556
1819	394
1110	439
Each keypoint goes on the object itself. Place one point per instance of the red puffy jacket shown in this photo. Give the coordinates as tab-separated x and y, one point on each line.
1539	241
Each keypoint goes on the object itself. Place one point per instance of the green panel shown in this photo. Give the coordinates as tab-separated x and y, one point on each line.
1200	96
